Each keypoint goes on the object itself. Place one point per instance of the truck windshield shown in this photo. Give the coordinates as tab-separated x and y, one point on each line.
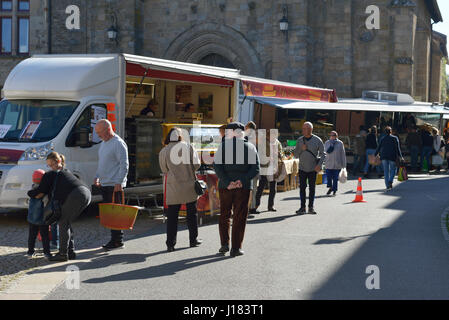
33	120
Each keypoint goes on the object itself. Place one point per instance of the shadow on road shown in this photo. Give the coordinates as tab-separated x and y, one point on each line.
411	253
272	219
163	270
339	240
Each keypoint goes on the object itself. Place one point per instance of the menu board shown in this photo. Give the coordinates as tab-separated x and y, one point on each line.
30	130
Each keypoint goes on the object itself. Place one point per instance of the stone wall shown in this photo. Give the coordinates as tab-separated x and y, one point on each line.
327	44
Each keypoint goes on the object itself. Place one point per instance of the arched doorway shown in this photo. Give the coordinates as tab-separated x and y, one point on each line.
216	60
216	43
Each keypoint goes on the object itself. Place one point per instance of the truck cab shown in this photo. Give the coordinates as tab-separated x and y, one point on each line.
53	104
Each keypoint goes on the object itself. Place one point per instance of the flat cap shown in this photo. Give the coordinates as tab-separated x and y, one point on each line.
235	126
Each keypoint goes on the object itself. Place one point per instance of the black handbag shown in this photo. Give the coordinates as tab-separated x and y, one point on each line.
53	210
200	187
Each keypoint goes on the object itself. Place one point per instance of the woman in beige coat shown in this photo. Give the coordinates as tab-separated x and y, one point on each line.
179	161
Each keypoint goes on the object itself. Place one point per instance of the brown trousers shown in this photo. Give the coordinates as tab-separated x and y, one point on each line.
235	200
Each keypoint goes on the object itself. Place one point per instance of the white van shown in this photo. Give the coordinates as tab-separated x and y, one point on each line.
52	102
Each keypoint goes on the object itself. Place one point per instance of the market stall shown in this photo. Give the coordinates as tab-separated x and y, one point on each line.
374	108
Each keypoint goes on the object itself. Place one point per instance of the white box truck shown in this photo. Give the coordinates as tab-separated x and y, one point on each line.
52	102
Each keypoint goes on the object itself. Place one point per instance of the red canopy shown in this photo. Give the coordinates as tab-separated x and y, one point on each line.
133	69
275	90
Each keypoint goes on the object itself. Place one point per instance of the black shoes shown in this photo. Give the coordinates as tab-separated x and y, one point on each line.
224	249
112	245
196	243
236	252
170	249
329	191
59	257
254	211
334	193
311	210
272	209
71	255
301	210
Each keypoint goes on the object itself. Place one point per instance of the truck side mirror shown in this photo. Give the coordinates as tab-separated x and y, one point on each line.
79	138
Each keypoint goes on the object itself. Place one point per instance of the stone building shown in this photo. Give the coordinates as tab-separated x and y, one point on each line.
327	43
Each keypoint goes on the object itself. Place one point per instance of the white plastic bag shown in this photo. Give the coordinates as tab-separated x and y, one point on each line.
343	176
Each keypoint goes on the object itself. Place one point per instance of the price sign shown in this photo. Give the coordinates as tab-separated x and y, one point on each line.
4	128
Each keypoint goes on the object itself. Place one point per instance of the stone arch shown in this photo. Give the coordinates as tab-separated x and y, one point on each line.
212	38
216	60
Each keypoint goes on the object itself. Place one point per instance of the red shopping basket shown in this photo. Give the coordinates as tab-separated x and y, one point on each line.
118	216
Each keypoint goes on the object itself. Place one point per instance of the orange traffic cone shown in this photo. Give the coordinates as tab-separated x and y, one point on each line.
359	193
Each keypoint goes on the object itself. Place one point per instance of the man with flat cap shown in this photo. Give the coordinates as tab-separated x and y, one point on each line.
236	164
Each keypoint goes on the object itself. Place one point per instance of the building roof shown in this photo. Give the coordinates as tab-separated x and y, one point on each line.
434	10
442	38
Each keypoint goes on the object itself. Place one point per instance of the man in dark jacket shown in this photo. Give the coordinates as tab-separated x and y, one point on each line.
359	151
414	144
236	165
427	146
390	150
371	146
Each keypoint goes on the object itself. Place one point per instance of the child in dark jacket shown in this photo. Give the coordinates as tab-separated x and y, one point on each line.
36	220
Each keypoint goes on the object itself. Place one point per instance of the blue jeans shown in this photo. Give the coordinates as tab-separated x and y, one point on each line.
425	154
367	165
332	178
414	153
389	171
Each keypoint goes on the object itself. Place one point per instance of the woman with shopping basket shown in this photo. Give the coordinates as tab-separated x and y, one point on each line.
73	197
179	161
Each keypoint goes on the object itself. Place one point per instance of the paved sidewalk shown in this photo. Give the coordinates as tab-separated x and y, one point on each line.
14	265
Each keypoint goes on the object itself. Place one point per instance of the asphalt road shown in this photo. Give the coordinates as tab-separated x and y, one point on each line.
293	257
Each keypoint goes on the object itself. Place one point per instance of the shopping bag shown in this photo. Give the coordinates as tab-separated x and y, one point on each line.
402	175
374	160
116	216
343	176
425	165
437	160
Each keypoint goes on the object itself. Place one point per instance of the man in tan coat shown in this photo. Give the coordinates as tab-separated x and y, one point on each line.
179	161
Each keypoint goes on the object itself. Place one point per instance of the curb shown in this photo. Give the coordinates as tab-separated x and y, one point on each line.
444	228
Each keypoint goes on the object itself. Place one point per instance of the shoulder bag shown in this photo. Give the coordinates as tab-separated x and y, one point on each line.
317	159
200	185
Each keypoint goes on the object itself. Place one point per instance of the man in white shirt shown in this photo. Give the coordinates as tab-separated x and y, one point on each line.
112	171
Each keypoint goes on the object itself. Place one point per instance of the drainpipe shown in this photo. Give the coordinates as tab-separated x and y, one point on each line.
49	26
431	61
